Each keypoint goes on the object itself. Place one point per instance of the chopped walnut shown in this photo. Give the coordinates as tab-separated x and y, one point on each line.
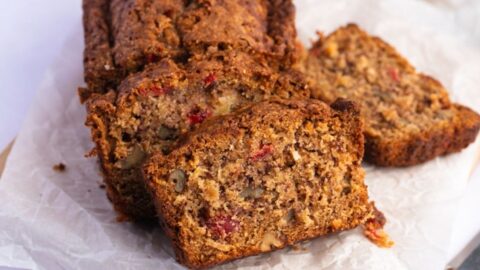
371	75
250	192
304	216
337	223
179	178
225	104
295	155
331	49
134	157
362	63
269	240
344	81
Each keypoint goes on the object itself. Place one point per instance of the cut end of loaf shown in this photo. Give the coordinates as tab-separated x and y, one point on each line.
247	183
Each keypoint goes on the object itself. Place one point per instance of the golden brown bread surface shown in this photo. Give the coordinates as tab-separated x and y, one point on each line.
270	175
408	115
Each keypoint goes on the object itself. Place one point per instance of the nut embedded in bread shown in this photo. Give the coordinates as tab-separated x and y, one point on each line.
270	175
408	116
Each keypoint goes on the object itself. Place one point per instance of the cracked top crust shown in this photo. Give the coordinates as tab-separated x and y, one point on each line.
123	36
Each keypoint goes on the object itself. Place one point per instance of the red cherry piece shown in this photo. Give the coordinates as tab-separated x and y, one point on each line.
222	225
210	79
152	58
393	73
157	91
197	116
263	152
143	91
154	91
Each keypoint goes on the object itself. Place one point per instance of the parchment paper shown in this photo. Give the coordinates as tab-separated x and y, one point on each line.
51	220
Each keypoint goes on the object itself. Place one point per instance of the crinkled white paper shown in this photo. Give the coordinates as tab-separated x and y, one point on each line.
51	220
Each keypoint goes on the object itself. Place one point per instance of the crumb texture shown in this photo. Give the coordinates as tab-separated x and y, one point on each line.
246	183
409	117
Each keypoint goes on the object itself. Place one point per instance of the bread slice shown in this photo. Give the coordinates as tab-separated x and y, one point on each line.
266	177
122	37
408	115
155	107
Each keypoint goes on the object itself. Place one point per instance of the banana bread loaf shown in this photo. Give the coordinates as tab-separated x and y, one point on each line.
123	36
156	69
408	115
270	175
155	107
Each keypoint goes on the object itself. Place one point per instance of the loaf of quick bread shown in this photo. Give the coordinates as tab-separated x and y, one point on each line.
157	69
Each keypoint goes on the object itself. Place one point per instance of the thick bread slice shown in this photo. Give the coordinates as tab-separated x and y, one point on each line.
408	115
270	175
152	109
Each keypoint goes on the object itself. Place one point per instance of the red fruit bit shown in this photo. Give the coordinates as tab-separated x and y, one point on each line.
154	91
222	225
197	116
210	79
393	73
376	234
157	91
373	230
152	58
263	152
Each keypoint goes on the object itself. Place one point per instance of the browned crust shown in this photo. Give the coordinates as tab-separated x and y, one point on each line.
99	107
99	68
347	110
282	29
251	252
425	146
